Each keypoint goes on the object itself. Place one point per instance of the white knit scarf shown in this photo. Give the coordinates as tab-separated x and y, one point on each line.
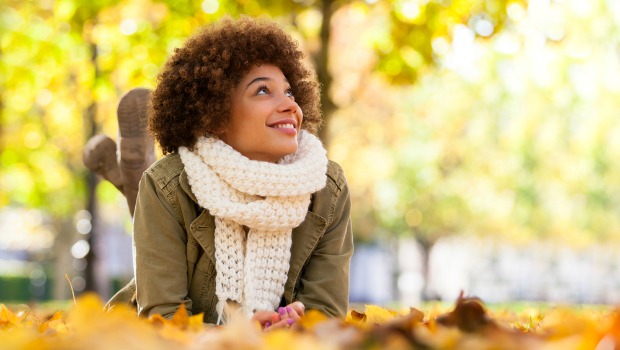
269	198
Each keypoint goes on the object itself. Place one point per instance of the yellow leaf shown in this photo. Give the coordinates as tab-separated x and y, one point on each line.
172	332
89	303
7	317
55	317
195	322
279	339
52	322
285	339
312	318
355	318
377	315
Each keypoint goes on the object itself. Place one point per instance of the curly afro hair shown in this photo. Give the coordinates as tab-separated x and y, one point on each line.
194	93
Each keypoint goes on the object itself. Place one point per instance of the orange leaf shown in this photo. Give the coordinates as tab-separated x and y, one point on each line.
158	320
180	318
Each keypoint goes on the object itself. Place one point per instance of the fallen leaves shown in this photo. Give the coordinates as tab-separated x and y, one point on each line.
469	325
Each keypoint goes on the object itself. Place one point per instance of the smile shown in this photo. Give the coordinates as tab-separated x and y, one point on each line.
284	126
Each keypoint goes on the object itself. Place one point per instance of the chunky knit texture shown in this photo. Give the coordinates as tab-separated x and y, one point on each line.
269	198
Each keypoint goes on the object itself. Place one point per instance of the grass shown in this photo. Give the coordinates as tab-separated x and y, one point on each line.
516	307
41	309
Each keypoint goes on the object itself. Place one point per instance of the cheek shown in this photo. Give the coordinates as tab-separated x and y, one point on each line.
299	114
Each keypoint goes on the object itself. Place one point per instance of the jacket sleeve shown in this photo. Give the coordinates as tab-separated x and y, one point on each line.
324	284
159	243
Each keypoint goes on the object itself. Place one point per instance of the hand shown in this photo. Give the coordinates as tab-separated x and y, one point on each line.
285	317
299	307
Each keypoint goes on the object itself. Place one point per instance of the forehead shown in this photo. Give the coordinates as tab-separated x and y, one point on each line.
266	71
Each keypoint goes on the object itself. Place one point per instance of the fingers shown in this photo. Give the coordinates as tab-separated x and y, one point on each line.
292	313
299	307
285	317
285	323
264	317
288	312
275	317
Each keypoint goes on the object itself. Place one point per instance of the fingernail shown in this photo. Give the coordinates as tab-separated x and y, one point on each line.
288	308
282	310
267	324
290	321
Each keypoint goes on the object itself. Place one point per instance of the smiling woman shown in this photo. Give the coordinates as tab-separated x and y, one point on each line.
264	119
244	214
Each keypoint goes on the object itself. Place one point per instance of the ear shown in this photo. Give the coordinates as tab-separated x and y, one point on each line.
220	133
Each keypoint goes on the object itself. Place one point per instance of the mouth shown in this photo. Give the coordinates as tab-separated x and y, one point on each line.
283	126
286	126
288	123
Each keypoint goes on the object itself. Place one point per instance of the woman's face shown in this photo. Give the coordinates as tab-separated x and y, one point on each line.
264	119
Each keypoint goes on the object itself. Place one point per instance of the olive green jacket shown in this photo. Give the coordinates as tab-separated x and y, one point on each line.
174	250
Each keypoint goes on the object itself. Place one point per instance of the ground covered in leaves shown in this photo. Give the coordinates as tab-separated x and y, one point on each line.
469	325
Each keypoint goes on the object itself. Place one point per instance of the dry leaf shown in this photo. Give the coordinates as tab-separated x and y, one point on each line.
468	326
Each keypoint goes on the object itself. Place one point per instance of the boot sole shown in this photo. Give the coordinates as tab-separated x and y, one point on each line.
135	145
131	112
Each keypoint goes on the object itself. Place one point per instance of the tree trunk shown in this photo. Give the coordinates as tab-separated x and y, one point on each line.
61	260
1	119
1	124
90	127
426	245
321	59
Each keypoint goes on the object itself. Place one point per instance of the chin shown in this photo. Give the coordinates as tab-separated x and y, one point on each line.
288	151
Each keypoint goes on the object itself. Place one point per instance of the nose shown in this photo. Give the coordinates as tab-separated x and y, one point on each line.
287	105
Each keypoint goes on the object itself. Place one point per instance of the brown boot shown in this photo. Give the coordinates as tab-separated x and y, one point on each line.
100	157
136	148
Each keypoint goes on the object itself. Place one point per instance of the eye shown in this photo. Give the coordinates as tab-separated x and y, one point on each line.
262	90
289	93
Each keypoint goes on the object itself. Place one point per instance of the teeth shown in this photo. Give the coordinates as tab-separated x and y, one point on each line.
285	126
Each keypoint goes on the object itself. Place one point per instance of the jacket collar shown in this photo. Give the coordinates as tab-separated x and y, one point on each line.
184	182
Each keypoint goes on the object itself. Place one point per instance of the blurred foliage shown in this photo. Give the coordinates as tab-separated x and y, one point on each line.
63	61
509	129
514	135
420	28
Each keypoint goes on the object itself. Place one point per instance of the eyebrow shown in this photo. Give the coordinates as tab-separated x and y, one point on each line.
255	80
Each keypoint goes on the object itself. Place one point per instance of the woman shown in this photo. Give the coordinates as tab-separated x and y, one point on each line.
244	212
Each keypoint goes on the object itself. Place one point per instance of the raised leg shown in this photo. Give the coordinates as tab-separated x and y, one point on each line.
136	148
100	157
